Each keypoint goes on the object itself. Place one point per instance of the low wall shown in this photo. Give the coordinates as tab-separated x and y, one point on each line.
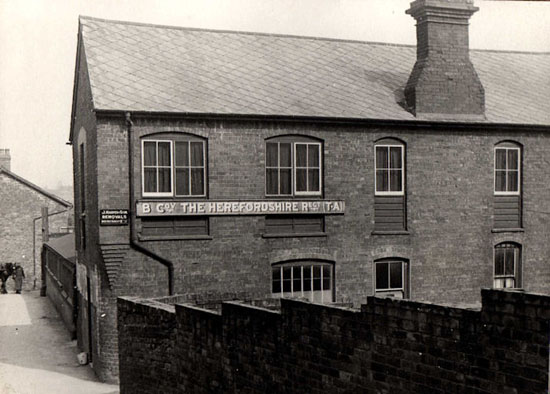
389	346
60	284
146	346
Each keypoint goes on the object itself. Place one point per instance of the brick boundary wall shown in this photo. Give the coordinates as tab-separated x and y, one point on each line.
388	346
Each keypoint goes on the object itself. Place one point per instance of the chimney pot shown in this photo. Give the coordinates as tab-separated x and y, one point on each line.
5	159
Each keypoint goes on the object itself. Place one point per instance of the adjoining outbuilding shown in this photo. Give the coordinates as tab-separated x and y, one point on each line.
24	207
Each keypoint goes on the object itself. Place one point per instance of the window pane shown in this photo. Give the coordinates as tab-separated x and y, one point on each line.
165	181
509	261
395	157
382	181
500	181
150	180
313	181
301	180
500	159
297	279
395	181
149	154
286	181
272	185
197	154
513	159
313	156
182	153
276	280
182	181
301	155
381	157
382	276
271	154
396	275
285	155
197	181
164	154
499	261
316	277
326	277
286	279
513	181
307	278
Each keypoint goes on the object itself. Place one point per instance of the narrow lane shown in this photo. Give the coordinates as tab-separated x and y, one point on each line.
37	355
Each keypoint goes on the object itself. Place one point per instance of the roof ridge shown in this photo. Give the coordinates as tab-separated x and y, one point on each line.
510	51
298	36
35	187
251	33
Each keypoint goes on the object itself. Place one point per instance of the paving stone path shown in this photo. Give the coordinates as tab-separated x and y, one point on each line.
37	355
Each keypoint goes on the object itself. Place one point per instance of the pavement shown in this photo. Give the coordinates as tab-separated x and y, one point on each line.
37	355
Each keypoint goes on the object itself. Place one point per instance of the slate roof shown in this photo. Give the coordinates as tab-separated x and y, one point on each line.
137	67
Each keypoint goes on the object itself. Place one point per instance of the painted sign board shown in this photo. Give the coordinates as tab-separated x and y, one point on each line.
113	217
276	207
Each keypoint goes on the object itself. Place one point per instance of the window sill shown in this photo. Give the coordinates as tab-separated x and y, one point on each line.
294	235
507	230
175	238
381	232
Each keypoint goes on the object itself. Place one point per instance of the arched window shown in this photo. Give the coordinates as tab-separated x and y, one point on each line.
507	185
313	280
507	266
389	185
173	165
389	167
391	277
507	168
293	166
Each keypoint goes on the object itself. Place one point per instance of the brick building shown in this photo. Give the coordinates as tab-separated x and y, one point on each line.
21	204
249	165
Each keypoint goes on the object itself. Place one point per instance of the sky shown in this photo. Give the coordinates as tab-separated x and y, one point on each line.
38	51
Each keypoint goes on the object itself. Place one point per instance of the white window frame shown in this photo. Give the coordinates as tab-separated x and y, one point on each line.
190	168
402	288
293	144
157	194
518	266
302	293
390	193
279	169
307	193
506	193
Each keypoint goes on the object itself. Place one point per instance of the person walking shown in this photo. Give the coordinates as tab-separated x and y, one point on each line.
18	275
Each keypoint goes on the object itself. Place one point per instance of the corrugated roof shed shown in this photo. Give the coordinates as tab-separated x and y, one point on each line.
137	67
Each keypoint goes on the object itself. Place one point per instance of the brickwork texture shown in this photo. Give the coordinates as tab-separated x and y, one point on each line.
19	206
449	241
388	346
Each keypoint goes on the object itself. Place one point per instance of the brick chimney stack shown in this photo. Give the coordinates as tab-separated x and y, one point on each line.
443	83
5	159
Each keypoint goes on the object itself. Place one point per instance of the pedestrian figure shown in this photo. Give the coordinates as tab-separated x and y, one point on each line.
5	272
18	275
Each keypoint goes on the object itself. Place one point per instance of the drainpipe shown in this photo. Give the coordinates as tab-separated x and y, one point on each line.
43	287
132	204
